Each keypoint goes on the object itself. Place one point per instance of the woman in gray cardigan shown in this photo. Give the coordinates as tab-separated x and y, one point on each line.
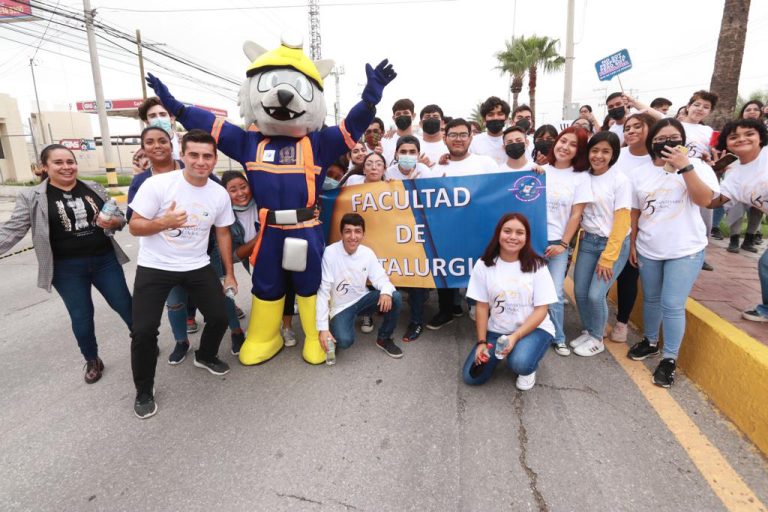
74	247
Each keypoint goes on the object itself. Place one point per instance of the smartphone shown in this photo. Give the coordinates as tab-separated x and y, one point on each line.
668	167
724	162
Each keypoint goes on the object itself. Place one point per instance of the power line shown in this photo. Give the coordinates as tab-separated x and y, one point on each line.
283	6
44	32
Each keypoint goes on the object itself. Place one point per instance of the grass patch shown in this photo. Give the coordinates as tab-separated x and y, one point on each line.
122	180
12	183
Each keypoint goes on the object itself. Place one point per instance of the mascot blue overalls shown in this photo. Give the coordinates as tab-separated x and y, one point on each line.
285	160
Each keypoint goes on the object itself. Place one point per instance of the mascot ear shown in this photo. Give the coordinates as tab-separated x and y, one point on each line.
324	67
253	51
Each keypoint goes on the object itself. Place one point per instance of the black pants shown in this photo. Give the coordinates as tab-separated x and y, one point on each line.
445	300
626	292
150	290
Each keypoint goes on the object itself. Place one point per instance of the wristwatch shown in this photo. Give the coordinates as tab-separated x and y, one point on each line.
685	169
481	342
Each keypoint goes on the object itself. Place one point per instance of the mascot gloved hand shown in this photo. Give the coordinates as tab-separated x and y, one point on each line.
285	161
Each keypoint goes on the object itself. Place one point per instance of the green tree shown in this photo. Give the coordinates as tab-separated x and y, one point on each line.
541	54
727	68
513	60
477	117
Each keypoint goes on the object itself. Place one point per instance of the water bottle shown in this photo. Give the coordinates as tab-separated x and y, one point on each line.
109	210
330	355
229	291
501	345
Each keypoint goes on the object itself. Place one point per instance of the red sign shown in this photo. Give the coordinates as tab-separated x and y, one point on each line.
15	10
116	105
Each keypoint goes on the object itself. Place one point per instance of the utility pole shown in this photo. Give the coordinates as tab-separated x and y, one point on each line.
106	141
141	65
37	100
337	72
568	85
314	30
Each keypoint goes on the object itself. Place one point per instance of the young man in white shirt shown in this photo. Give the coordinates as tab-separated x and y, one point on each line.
153	113
343	294
432	145
516	149
372	136
495	112
618	110
403	114
173	214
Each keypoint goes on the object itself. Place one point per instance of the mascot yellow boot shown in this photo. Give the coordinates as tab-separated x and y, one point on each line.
313	352
263	341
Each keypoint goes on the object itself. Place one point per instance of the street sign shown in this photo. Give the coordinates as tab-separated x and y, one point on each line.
612	65
15	10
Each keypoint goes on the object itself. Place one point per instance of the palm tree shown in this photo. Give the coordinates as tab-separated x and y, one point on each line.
477	117
540	52
730	50
513	60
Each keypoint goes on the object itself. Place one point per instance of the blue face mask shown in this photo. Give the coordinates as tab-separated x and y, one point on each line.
164	123
330	183
407	162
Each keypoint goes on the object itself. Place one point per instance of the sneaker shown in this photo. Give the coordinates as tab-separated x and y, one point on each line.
562	349
716	234
591	347
584	336
642	350
438	321
664	375
457	311
93	370
733	246
367	325
706	266
413	332
619	332
238	338
753	315
216	366
390	348
289	337
192	326
179	353
144	406
240	313
758	239
472	313
525	382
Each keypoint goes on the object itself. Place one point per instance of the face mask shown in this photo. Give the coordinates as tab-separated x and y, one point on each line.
431	126
372	140
330	184
407	162
250	204
164	123
403	122
524	124
658	146
617	113
495	126
515	150
543	146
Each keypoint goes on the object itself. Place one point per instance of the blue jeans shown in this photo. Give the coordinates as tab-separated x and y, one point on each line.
176	303
232	321
762	271
417	297
666	286
589	289
73	279
522	360
558	265
717	217
343	323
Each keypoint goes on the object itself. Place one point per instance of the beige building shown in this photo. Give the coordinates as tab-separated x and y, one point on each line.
14	156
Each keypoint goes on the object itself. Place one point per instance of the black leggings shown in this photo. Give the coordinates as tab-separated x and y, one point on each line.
626	288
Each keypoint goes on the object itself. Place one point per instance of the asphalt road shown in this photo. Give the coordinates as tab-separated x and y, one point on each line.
370	434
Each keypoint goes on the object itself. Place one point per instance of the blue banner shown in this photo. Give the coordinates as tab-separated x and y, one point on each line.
612	65
428	233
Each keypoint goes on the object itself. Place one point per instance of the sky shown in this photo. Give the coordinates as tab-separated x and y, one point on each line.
442	50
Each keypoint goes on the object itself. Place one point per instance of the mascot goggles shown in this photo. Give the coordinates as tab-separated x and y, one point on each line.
270	79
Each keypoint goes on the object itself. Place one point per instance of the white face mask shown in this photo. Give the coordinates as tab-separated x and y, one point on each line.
164	123
407	162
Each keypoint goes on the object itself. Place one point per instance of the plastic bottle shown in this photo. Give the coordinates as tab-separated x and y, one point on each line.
109	210
330	355
229	291
501	345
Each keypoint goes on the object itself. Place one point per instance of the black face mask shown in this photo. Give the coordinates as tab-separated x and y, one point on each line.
515	150
403	122
543	146
617	113
495	125
524	124
658	146
431	126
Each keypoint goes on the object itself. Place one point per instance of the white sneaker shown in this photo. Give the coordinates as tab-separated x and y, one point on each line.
619	333
472	313
525	382
578	341
591	347
562	350
289	337
367	325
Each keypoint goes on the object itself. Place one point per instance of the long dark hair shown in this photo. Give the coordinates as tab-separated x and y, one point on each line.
656	128
47	150
580	162
612	139
529	260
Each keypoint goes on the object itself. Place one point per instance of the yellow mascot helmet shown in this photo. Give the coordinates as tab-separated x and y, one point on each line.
289	55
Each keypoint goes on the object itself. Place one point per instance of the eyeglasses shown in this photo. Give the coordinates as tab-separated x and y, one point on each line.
376	163
667	139
460	136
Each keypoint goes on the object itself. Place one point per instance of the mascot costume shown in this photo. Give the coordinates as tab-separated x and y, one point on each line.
285	159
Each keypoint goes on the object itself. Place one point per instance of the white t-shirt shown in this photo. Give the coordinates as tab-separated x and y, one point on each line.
355	179
420	171
434	150
511	294
471	165
344	280
484	144
627	161
697	137
565	188
506	168
670	224
175	146
611	191
248	218
748	183
618	129
185	248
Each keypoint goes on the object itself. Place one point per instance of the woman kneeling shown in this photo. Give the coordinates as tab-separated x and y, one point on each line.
513	289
